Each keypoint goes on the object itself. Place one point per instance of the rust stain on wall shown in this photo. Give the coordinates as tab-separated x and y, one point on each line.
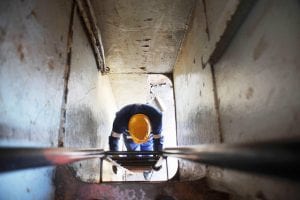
51	64
249	93
33	14
20	52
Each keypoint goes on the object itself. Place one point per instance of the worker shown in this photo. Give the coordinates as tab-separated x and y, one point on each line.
141	127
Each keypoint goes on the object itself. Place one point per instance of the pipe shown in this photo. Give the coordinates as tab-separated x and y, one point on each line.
23	158
278	158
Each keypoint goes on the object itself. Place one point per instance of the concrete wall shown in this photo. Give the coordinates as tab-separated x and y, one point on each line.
141	36
258	87
195	108
33	58
32	61
90	104
258	76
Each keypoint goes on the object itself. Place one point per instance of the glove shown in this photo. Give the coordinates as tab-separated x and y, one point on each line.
115	169
156	168
113	143
158	143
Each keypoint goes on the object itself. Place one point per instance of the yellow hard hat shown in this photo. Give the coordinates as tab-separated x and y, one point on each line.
139	128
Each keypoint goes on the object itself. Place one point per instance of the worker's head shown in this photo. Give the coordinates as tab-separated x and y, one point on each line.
139	128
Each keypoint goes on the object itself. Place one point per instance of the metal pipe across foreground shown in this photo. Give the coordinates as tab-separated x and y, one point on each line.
277	158
23	158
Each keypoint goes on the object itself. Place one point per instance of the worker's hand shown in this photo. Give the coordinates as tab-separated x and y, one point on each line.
156	168
115	169
158	144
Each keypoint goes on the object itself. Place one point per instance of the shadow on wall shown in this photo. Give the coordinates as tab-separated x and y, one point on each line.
81	128
81	132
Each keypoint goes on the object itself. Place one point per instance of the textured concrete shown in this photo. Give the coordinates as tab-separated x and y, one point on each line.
32	61
129	88
90	106
250	94
258	77
217	15
193	85
70	188
142	36
258	90
33	56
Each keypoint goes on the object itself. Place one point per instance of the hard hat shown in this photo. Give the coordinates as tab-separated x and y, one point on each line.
139	128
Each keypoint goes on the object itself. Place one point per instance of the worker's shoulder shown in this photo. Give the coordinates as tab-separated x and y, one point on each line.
151	109
139	108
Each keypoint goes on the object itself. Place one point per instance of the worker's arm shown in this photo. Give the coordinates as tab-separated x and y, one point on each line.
114	139
156	123
158	141
119	127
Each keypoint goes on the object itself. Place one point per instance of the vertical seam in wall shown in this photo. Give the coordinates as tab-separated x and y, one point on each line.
217	103
189	20
62	131
242	11
188	24
232	27
206	21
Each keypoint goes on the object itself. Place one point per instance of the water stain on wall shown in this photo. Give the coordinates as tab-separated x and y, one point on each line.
260	48
31	14
51	64
249	93
20	51
82	126
2	35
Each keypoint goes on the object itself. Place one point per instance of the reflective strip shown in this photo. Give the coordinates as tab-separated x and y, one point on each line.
116	135
156	136
129	137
